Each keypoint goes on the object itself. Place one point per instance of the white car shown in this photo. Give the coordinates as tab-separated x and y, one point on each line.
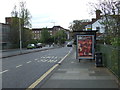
69	44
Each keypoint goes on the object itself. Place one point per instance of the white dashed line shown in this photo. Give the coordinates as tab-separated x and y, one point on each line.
55	57
29	61
52	56
18	66
43	57
3	71
36	59
55	60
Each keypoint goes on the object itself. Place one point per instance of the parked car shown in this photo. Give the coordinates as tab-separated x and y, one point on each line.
39	45
69	44
31	46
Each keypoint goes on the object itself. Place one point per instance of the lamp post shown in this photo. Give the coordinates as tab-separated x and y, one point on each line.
53	31
20	31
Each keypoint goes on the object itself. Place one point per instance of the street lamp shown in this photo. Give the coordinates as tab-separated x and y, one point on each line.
53	30
20	31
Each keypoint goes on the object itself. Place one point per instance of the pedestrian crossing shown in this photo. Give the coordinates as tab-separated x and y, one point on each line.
47	59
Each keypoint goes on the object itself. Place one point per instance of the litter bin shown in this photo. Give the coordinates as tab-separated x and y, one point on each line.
98	59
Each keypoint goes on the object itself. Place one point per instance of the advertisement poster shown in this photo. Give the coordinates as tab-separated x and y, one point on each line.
85	46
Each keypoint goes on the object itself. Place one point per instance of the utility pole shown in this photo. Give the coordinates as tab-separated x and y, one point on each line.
20	30
53	30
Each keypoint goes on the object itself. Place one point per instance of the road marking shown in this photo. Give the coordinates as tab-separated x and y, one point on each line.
56	57
42	51
55	60
36	59
29	61
46	74
43	57
18	66
52	57
42	77
3	71
64	57
48	57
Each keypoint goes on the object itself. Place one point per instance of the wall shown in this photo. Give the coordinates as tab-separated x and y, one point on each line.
97	24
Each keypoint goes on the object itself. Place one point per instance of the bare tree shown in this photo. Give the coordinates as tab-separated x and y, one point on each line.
110	17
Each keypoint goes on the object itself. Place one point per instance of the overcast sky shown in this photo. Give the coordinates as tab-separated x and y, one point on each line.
44	12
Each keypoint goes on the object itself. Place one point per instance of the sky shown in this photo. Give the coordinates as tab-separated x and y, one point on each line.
47	13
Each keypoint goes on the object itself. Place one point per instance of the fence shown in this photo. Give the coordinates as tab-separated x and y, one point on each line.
111	58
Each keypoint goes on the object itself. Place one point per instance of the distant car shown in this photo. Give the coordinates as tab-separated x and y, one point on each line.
69	44
31	46
39	45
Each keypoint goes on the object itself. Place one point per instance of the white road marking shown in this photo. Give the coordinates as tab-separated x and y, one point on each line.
41	60
3	71
56	57
48	57
42	51
18	66
43	57
49	61
52	56
36	59
29	61
47	73
44	61
55	60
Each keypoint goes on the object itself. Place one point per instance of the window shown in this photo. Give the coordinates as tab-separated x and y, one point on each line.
98	28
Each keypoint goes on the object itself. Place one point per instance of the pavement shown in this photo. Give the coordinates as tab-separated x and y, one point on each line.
83	75
15	52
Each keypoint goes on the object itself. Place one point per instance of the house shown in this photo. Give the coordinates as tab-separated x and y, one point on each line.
95	24
37	31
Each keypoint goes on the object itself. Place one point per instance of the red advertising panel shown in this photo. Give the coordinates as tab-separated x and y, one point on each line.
85	46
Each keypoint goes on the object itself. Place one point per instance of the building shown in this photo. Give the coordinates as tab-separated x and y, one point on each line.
4	36
95	24
37	31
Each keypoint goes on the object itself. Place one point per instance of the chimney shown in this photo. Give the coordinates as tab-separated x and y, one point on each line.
98	14
93	19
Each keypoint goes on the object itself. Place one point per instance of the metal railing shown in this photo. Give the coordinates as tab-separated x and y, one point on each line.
111	58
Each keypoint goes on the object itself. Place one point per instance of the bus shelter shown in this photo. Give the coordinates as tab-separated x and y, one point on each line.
85	47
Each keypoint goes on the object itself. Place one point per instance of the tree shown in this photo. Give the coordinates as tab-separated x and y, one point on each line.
21	19
78	25
14	29
25	18
45	36
60	37
110	19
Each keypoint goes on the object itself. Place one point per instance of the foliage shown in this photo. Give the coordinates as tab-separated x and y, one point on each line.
115	41
60	37
77	25
45	36
110	19
20	22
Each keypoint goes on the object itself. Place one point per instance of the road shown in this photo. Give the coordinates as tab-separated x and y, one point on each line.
14	52
23	70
